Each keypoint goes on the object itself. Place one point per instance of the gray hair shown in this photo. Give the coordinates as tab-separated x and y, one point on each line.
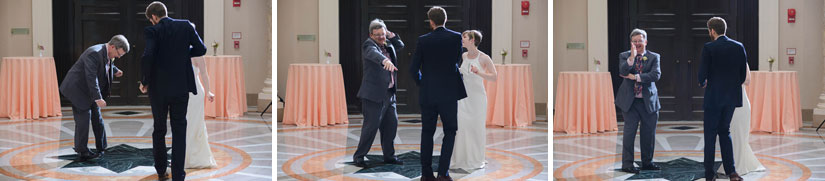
638	31
377	24
119	41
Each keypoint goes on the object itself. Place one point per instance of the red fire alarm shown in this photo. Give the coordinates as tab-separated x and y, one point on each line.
790	60
237	44
525	7
792	15
524	53
236	3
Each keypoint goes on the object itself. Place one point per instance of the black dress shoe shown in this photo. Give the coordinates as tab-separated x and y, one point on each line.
651	166
394	160
713	178
444	178
86	156
630	170
360	163
427	178
163	176
735	177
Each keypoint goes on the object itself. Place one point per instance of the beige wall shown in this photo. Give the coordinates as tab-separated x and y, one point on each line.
806	36
570	25
295	17
503	31
15	14
532	27
251	20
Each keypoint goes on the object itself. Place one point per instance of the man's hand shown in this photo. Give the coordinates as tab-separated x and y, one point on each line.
119	73
629	76
100	103
144	88
390	34
705	84
632	50
389	66
210	96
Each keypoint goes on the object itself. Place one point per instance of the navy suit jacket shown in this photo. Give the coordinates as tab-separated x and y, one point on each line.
434	67
375	82
167	59
88	80
651	72
724	64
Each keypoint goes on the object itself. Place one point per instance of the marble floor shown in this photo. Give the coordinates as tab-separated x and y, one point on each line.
792	156
41	149
325	153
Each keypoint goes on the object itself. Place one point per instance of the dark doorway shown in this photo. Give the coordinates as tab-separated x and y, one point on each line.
677	30
409	20
79	24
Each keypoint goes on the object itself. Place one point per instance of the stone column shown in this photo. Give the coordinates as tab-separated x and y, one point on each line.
265	96
819	111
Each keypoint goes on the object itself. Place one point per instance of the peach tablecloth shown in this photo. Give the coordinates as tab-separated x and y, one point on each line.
774	98
226	77
584	103
510	98
28	88
315	95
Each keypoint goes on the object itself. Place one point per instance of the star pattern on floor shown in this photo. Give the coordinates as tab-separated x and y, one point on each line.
127	113
118	158
677	169
410	169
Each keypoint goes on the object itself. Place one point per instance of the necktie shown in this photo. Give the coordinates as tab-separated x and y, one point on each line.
387	54
637	89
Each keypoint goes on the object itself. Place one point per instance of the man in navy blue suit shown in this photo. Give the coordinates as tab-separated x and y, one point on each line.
168	78
435	69
723	70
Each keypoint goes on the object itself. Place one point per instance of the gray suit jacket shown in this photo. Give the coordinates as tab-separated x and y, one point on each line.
651	72
375	81
87	80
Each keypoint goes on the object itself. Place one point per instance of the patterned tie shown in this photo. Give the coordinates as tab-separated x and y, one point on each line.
387	54
638	67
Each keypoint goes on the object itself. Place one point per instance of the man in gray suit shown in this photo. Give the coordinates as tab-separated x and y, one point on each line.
86	85
377	92
638	99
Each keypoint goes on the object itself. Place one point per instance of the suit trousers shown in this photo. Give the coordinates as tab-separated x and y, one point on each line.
82	117
378	116
448	111
638	115
175	107
717	123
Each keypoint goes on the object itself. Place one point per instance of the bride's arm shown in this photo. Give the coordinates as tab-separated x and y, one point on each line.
488	69
201	64
747	74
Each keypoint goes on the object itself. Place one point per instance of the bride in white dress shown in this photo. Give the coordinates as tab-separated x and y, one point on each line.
740	127
198	153
470	139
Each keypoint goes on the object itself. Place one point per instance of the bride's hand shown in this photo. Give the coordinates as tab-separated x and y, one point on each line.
474	69
210	96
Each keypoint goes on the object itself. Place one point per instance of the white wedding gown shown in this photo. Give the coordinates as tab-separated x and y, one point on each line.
198	153
740	127
471	137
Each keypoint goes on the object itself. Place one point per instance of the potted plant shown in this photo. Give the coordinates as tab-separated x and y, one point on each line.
770	63
214	48
41	48
503	55
597	62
